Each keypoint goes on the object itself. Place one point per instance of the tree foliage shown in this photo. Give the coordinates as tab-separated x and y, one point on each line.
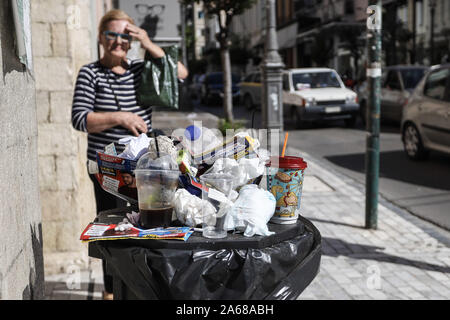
224	10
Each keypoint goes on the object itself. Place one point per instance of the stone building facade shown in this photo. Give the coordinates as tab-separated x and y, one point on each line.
21	259
64	39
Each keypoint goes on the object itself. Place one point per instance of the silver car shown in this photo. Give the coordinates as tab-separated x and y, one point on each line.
426	119
250	89
397	84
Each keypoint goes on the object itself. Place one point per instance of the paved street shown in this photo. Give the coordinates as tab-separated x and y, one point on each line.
405	258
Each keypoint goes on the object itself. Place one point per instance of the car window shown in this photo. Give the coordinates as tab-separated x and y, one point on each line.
257	78
411	77
315	80
392	81
436	84
217	78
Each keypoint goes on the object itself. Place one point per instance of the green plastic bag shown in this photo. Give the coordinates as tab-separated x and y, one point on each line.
159	83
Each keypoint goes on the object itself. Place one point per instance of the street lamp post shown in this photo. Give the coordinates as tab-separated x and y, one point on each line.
373	117
271	68
432	4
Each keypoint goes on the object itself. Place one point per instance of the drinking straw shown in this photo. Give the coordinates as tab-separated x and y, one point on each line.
156	143
285	142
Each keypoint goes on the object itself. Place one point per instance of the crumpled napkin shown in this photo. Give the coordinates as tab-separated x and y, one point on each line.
135	147
243	170
188	208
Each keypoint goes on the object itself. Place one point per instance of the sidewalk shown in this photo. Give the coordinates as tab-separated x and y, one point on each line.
405	258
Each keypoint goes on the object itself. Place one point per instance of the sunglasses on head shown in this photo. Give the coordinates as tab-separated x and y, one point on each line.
113	36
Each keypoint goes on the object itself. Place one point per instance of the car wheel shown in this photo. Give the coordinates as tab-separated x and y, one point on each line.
412	143
248	103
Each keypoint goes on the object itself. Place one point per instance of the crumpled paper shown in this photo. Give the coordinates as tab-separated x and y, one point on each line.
135	147
251	211
188	209
244	169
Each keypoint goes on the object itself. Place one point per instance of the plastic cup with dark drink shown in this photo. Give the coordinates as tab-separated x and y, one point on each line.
156	181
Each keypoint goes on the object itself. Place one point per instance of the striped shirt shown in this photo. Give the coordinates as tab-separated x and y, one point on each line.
98	89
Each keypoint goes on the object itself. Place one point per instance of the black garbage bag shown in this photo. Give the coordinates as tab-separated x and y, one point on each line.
280	271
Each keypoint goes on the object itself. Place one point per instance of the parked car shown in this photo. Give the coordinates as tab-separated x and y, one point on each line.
312	94
397	84
195	87
250	90
426	118
212	87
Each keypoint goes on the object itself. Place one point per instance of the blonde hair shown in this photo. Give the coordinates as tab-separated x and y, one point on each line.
115	14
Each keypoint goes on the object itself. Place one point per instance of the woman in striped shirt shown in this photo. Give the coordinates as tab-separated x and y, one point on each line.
104	102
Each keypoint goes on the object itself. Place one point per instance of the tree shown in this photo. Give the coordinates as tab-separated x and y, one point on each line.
224	11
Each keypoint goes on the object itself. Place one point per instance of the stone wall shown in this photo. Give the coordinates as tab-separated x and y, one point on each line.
61	31
21	260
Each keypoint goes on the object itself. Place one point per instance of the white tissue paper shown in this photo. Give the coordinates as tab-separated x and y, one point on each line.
251	211
188	208
135	147
244	169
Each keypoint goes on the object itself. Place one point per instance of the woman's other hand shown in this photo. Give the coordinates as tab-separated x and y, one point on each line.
154	49
100	121
132	122
141	35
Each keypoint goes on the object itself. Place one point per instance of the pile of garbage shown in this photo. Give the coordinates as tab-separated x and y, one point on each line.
244	206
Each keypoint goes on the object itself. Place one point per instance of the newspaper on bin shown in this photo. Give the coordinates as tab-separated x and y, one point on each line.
115	175
101	231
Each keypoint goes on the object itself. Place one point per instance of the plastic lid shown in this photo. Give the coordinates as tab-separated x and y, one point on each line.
192	132
287	162
151	161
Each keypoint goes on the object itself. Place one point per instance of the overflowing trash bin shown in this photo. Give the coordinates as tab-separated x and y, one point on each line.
200	224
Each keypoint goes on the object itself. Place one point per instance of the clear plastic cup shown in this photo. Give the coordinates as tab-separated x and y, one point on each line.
156	182
156	189
216	203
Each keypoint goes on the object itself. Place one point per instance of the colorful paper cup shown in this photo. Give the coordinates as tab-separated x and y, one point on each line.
285	182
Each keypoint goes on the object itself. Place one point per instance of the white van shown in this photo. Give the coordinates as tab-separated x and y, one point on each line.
312	94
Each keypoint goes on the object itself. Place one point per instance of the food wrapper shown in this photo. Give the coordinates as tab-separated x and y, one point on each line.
184	163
